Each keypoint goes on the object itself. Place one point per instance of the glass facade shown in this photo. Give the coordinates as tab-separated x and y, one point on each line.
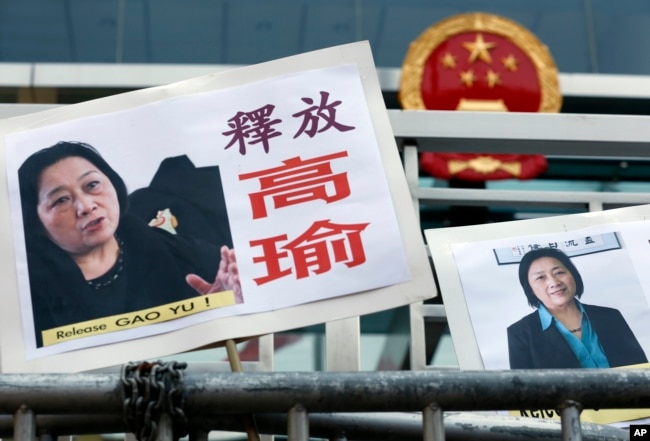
584	36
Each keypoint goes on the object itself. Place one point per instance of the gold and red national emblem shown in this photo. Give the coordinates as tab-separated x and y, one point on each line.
480	62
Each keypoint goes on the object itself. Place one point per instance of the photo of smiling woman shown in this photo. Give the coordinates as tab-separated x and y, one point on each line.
89	257
563	332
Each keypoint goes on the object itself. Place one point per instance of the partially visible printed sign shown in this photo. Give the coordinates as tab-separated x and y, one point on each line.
571	246
266	198
509	288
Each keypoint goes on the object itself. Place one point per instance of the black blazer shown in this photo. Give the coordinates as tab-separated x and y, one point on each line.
193	194
155	265
530	347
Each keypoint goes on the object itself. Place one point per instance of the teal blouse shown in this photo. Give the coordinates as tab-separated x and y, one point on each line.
587	349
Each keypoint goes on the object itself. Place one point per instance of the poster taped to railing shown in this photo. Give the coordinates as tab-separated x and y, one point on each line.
247	202
556	292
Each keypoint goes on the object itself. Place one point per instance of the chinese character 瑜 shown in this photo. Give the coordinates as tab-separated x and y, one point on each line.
323	244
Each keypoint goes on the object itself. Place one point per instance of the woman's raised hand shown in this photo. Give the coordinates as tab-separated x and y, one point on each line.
227	277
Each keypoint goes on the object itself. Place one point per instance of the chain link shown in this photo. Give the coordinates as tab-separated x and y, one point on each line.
150	390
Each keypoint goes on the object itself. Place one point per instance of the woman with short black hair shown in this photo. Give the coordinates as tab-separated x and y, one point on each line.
88	257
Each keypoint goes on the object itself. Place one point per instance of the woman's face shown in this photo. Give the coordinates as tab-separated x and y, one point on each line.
552	283
77	205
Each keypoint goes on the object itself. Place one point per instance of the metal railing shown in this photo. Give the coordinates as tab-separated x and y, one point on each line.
378	405
590	137
340	404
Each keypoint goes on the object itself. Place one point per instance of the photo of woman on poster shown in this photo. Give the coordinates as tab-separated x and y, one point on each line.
90	256
563	332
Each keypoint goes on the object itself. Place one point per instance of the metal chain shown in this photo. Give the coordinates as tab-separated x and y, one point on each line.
151	389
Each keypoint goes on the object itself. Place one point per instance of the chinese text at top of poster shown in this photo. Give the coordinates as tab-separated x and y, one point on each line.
285	174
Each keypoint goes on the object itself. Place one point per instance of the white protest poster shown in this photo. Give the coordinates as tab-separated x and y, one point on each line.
237	204
503	284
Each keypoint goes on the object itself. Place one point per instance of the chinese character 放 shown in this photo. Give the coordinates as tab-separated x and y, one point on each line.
313	115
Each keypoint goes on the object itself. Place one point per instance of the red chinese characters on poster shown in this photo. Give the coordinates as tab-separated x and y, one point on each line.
310	211
284	173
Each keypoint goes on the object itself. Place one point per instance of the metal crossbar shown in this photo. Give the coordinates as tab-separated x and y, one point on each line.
397	403
36	403
589	137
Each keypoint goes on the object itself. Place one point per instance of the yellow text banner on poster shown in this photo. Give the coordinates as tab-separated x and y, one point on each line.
120	322
601	416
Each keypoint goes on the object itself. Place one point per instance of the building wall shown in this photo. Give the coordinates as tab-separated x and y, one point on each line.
584	36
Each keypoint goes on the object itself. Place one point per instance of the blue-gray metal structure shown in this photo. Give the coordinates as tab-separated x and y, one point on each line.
49	405
584	36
